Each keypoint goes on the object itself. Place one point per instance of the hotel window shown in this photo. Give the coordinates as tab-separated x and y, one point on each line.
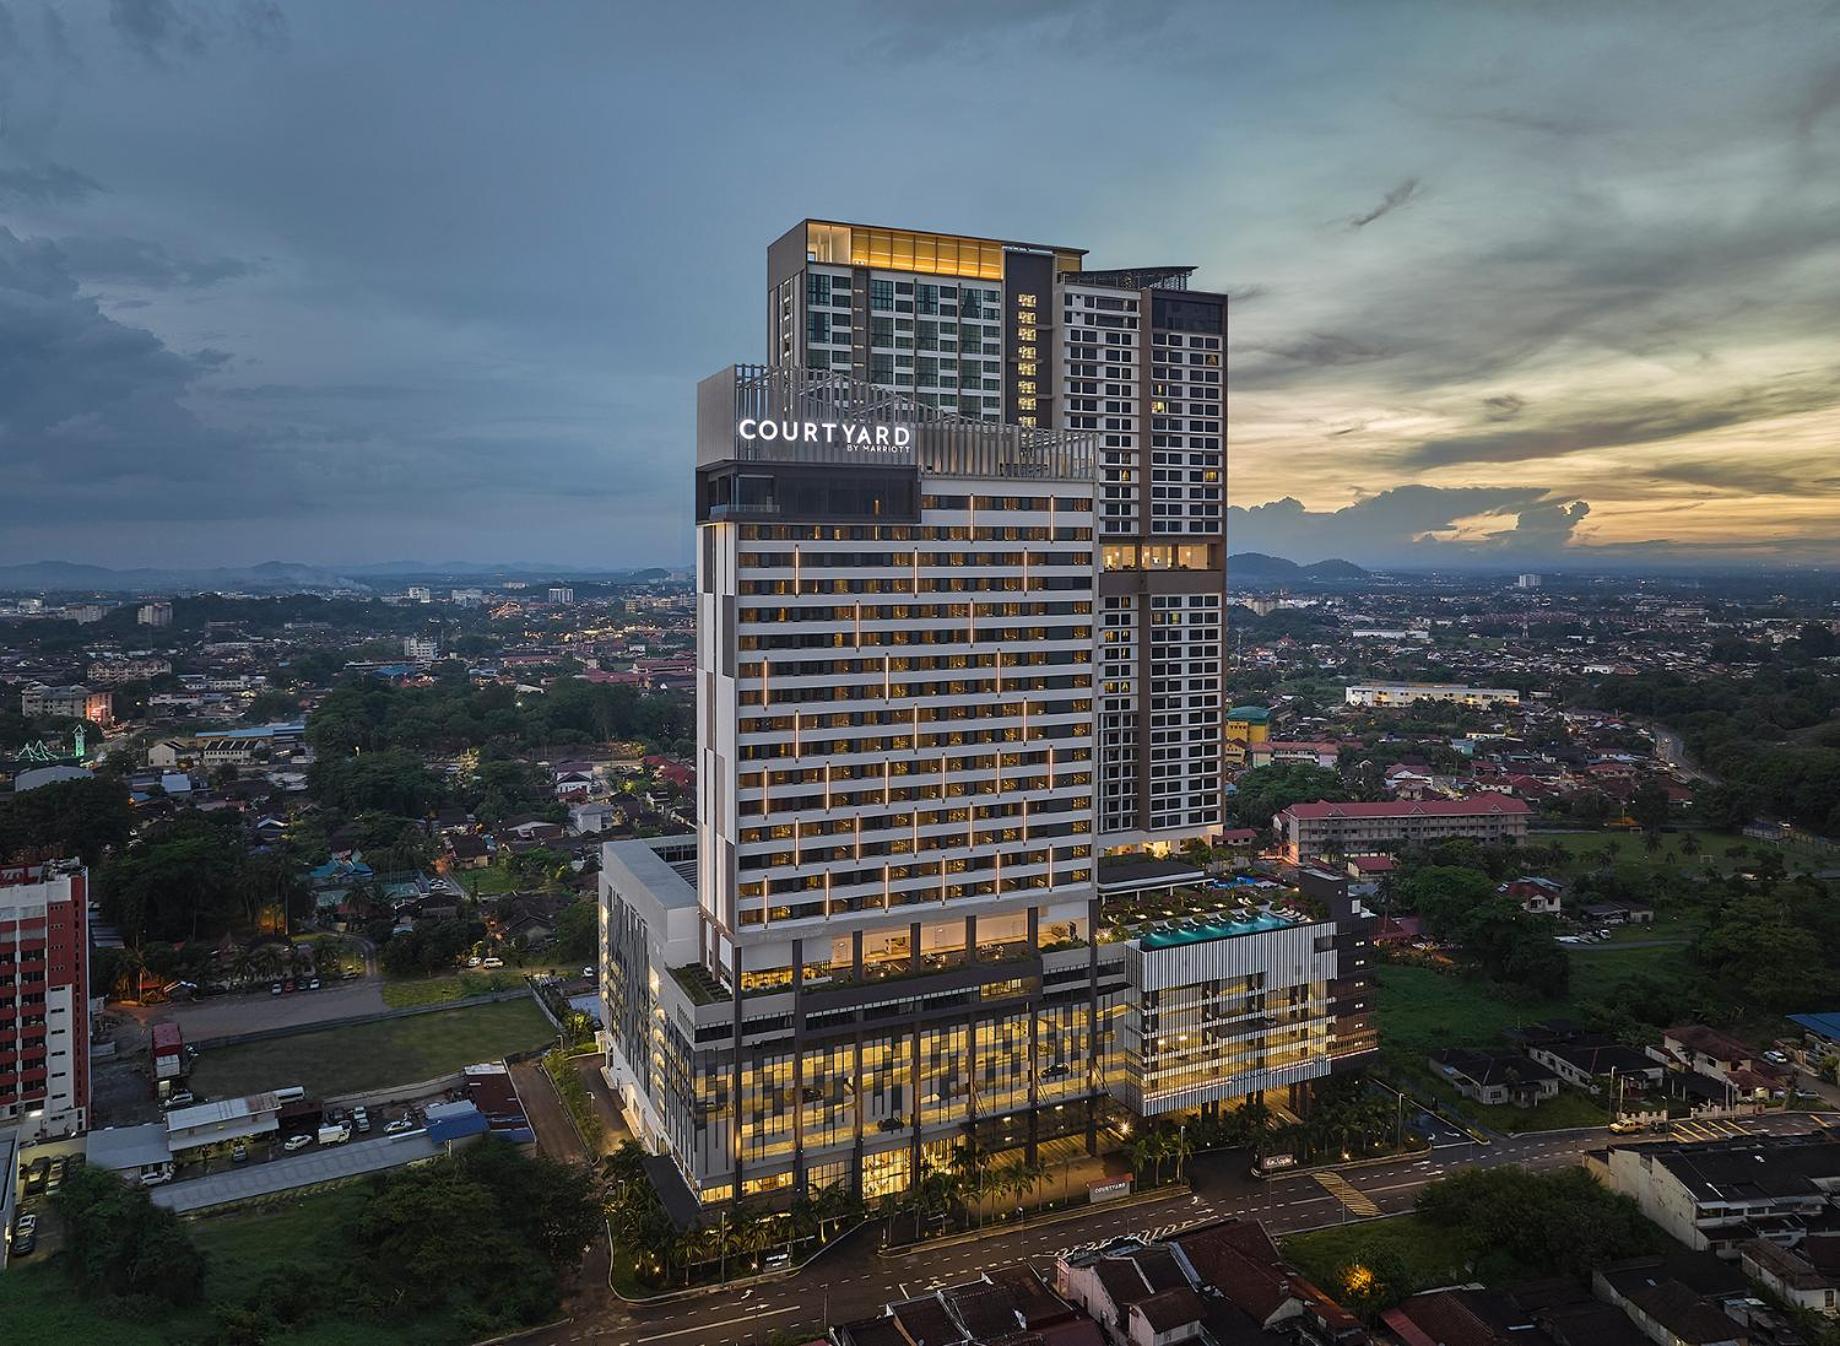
881	294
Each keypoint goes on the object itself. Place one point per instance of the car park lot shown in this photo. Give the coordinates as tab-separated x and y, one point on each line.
282	1147
256	1009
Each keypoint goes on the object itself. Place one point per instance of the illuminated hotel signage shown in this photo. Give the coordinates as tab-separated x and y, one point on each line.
856	438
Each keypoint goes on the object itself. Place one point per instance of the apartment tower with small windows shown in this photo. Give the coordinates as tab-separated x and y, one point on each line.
1028	334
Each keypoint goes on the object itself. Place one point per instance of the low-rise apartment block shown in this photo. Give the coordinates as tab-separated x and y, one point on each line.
1381	695
74	703
1306	831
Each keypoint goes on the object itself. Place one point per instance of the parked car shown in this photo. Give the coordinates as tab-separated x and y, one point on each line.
400	1125
152	1175
239	1153
1624	1128
313	985
297	1142
491	962
1776	1058
37	1175
275	989
179	1098
473	961
25	1235
334	1135
288	985
361	1119
55	1178
587	972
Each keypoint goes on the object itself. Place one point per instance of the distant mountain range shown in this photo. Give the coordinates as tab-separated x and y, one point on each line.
276	576
1249	567
1254	566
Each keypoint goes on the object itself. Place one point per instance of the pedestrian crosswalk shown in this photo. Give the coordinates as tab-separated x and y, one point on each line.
1348	1194
1713	1128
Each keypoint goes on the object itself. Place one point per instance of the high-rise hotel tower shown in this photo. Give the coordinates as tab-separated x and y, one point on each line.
1027	334
959	602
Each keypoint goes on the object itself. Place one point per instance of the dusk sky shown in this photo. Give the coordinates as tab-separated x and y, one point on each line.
358	282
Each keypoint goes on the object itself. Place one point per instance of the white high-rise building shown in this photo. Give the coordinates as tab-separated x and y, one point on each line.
935	680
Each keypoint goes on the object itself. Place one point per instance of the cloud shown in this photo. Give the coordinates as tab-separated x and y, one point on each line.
155	28
133	261
1402	195
160	29
47	184
1745	478
1503	406
1415	526
1632	424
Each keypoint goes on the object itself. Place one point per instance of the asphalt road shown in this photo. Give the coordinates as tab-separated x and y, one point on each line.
248	1012
853	1280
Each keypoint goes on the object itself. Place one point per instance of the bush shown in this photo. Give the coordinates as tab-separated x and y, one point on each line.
121	1246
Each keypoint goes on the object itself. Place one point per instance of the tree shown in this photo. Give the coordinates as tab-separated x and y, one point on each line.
1561	1223
578	932
80	819
118	1243
1266	791
1649	806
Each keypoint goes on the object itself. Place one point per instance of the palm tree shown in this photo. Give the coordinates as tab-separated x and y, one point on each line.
1180	1149
1689	844
1651	842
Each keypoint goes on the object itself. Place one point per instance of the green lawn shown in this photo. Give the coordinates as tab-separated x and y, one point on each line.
1597	969
401	994
359	1057
1633	858
1421	1009
297	1235
1432	1256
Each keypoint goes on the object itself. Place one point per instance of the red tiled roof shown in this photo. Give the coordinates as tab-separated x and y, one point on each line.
1482	805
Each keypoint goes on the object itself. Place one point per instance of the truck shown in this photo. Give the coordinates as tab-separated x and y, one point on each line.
334	1135
168	1051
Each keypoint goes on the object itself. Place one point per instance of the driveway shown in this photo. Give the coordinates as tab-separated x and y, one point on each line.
556	1135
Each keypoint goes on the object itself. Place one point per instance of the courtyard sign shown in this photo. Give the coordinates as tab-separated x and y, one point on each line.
857	438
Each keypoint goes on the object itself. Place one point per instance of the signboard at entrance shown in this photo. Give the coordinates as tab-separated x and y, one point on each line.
1106	1191
1272	1162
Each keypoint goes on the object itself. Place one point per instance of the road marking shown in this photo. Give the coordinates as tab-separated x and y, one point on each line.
726	1322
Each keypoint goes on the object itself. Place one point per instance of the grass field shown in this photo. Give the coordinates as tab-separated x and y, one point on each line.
1597	969
38	1304
1632	856
409	991
1421	1010
359	1057
1432	1256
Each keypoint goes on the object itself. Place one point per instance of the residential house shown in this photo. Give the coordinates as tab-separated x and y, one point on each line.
1663	1308
589	819
1705	1051
1107	1284
1497	1078
1806	1275
1536	894
1589	1060
1710	1195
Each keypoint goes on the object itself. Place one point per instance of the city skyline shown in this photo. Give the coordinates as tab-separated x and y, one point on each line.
1508	288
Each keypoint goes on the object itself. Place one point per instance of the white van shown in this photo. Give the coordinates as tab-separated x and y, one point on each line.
334	1135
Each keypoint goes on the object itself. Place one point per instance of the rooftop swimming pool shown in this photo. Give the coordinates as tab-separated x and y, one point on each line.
1198	933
